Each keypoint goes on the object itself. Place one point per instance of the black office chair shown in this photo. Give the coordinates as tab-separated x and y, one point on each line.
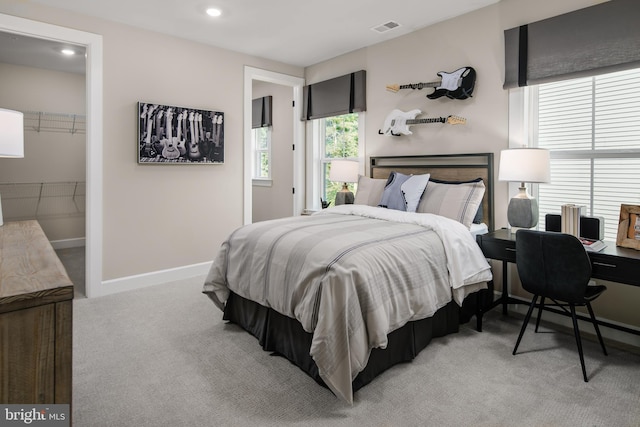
556	266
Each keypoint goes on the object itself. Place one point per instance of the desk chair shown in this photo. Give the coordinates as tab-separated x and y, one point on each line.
556	266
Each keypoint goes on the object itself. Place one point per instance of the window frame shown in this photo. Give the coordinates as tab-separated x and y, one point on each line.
320	160
523	126
257	154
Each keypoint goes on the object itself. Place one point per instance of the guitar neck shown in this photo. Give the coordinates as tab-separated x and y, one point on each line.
419	85
420	121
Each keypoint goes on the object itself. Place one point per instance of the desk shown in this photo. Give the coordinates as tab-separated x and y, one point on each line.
613	263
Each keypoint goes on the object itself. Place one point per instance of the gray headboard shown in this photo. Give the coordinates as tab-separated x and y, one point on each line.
448	167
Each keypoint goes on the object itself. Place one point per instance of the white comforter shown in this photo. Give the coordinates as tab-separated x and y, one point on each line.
351	275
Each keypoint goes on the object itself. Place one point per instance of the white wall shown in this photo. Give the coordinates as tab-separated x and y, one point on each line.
162	217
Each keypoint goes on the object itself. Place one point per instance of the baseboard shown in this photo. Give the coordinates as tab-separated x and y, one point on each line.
68	243
139	281
564	321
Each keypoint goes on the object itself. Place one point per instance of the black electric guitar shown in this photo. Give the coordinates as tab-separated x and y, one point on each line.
456	85
397	122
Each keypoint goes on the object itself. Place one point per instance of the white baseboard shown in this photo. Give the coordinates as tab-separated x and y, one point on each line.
68	243
139	281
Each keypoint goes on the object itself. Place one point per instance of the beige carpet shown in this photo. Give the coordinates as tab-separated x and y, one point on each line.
162	356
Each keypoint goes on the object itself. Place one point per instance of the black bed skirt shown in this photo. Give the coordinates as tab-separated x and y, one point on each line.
284	336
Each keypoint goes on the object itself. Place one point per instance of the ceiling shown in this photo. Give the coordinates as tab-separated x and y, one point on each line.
295	32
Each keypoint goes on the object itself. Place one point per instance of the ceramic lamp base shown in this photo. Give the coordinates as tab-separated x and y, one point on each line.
523	210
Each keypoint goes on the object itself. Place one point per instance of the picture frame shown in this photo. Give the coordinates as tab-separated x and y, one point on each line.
169	134
629	227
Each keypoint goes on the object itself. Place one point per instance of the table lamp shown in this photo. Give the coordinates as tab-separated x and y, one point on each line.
11	138
524	165
344	171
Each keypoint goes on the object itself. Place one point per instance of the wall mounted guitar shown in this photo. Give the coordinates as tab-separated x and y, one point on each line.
456	85
397	122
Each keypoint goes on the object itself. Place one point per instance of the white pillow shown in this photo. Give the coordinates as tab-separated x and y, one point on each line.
403	192
369	191
456	201
413	189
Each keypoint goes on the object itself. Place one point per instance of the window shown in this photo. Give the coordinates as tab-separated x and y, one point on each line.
592	128
335	137
261	138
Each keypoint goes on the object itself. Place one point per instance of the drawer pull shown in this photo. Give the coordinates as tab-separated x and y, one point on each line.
604	264
510	249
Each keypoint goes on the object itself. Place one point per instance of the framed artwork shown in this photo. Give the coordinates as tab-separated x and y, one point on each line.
629	227
179	135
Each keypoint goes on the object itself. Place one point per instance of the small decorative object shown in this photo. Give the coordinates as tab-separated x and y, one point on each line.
570	219
11	138
397	122
179	135
524	165
456	85
324	203
629	227
343	170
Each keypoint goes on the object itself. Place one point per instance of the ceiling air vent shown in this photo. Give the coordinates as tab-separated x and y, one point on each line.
387	26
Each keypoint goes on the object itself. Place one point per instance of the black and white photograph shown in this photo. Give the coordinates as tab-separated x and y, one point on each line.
179	135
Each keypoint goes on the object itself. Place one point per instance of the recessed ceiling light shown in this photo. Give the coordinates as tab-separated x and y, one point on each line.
214	12
67	52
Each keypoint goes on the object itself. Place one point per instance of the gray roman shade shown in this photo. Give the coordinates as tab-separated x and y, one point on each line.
340	95
261	112
594	40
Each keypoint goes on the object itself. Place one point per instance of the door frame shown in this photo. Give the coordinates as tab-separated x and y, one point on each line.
93	92
296	83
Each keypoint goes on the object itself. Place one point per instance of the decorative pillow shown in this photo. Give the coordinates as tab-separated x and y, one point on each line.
413	189
369	191
392	197
456	201
479	214
403	192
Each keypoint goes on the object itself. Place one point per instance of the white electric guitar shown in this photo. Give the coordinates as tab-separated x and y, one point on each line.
397	122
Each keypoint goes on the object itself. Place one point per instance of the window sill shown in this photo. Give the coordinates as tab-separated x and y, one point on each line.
262	182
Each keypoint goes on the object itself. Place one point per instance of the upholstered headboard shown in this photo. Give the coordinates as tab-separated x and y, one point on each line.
448	167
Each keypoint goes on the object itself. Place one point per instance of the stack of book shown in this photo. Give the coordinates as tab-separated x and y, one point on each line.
570	219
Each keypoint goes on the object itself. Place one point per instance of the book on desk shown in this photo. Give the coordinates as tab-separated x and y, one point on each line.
592	244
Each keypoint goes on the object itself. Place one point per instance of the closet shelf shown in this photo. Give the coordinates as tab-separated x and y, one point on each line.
39	121
22	201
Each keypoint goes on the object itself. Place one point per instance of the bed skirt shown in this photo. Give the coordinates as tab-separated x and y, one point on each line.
284	336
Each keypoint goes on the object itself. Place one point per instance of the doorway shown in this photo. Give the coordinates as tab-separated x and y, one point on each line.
93	47
252	75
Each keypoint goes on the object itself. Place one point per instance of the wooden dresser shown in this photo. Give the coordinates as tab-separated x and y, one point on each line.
35	318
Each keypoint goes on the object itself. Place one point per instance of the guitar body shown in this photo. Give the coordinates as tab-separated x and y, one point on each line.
396	122
456	85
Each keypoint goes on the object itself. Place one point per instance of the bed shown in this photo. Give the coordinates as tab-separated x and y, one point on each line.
348	292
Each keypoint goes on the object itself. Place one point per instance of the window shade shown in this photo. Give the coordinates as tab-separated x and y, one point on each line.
592	127
594	40
341	95
261	112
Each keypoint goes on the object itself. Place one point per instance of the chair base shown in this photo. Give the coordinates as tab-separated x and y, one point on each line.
576	330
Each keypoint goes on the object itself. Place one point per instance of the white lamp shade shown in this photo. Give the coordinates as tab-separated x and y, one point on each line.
344	170
524	165
11	133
